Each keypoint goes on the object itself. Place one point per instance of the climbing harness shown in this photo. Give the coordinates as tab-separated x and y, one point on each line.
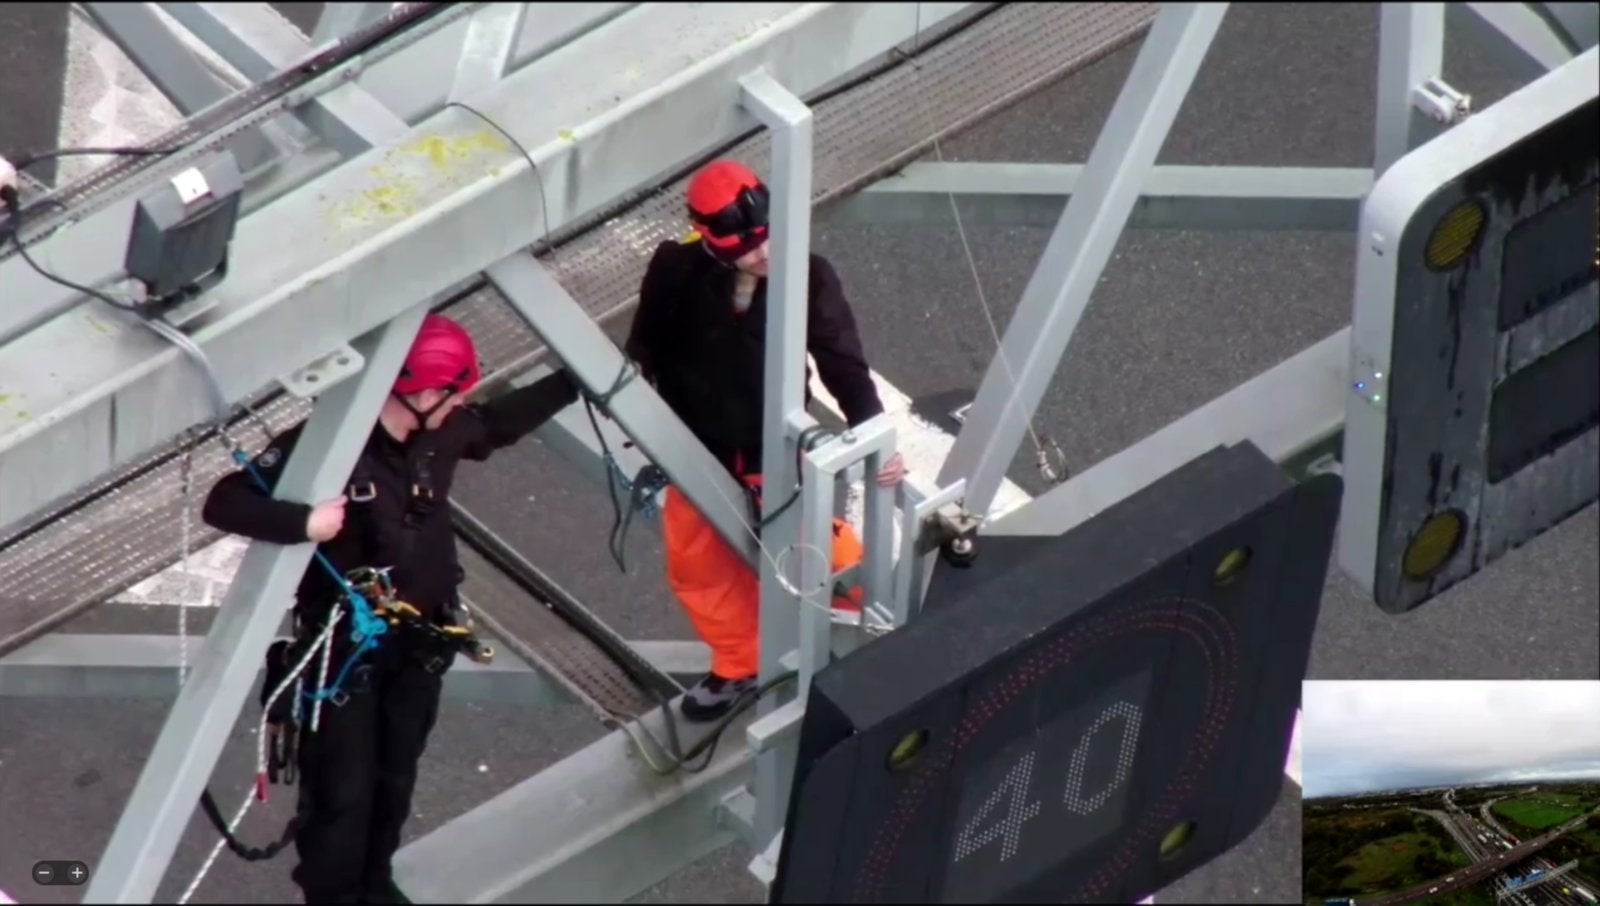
282	717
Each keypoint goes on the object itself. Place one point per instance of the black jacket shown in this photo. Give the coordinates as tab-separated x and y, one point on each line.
412	535
708	361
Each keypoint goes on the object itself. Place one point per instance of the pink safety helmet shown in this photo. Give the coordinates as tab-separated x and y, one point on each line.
442	357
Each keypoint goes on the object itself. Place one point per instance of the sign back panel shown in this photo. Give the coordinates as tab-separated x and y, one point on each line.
1473	422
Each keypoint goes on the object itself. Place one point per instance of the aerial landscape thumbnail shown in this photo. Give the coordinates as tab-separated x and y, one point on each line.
1482	793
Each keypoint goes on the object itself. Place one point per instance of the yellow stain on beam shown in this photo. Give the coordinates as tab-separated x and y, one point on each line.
403	178
13	399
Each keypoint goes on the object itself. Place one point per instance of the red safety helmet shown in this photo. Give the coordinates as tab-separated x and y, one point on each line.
441	358
728	205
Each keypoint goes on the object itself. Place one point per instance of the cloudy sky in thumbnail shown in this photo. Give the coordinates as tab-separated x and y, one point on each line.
1367	736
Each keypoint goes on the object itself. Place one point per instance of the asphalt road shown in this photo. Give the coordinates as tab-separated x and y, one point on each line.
1179	318
1475	873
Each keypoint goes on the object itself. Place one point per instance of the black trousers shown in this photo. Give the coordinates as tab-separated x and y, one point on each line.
357	774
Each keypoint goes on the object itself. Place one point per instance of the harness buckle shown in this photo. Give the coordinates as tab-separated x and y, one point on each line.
363	493
421	492
436	664
338	698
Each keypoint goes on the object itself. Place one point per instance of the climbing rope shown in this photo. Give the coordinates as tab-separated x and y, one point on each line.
185	470
1048	456
323	643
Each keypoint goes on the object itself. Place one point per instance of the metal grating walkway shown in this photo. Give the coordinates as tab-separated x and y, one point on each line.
127	526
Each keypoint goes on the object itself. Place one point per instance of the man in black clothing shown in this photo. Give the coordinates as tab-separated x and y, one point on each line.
699	337
358	770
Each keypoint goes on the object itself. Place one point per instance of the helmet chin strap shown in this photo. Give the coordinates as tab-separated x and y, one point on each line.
719	259
421	415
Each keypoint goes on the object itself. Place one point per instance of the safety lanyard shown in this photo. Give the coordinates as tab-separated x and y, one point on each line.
367	625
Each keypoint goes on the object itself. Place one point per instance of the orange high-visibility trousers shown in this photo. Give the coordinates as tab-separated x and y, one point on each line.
721	592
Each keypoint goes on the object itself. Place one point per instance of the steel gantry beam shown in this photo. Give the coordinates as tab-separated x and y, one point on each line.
340	19
1517	34
596	827
1579	23
96	665
254	39
407	219
786	617
1058	292
1410	52
191	739
486	52
1173	196
116	665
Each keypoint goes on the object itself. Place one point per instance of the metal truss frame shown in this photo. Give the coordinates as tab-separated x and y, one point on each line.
367	278
1526	39
97	665
1172	197
142	844
1078	249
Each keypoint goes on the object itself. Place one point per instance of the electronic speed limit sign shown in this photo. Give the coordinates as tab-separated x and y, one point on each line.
1076	719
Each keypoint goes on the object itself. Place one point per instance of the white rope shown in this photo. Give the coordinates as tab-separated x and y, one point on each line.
323	643
1050	471
183	565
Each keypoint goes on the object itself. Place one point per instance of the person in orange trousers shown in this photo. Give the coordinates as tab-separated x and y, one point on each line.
699	336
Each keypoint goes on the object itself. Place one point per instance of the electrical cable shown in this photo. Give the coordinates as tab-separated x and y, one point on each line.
706	745
28	160
13	204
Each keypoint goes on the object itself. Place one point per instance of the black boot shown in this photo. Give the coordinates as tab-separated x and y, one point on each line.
714	696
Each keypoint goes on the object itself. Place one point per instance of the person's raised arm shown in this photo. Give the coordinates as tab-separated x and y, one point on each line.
513	415
237	504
